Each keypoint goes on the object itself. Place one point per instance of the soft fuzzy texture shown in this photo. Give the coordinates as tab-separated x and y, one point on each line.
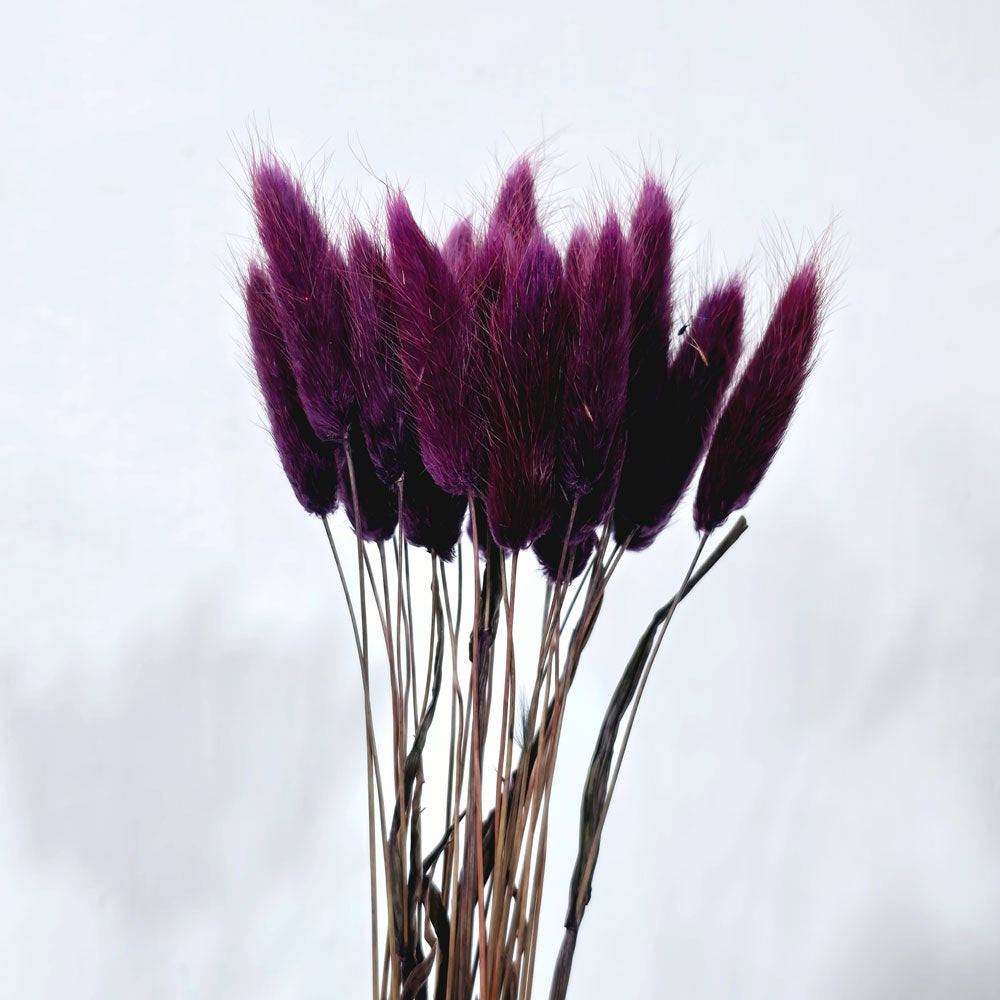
307	274
549	551
491	368
309	463
437	351
650	253
683	417
378	503
596	369
485	268
579	263
515	212
432	518
459	249
523	397
378	377
757	415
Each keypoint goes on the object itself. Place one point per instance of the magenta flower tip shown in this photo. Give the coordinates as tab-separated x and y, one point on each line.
756	416
307	275
437	351
309	463
375	348
523	397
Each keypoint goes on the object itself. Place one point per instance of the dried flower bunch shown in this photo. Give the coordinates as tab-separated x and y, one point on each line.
549	401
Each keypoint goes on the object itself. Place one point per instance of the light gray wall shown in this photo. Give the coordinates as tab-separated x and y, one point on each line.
811	807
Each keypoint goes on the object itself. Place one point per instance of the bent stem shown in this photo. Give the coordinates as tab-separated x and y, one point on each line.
595	846
596	796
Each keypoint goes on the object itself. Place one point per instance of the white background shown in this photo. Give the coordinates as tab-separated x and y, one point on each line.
811	805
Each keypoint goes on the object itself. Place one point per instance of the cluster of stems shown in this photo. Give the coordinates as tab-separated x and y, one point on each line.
546	399
462	911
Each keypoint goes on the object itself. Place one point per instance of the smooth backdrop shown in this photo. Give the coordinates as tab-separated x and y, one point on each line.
811	804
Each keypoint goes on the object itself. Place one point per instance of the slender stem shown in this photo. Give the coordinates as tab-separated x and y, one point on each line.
343	583
506	753
595	844
370	729
362	650
475	790
457	708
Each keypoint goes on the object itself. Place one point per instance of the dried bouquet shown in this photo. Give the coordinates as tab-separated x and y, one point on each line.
494	394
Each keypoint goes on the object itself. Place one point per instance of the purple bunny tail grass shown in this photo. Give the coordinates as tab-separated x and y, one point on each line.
594	507
515	212
374	342
497	258
597	368
684	418
579	264
437	351
309	463
432	519
459	250
580	255
757	414
307	274
523	398
378	503
548	551
650	250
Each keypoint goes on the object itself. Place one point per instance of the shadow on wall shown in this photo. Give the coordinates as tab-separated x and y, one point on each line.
202	764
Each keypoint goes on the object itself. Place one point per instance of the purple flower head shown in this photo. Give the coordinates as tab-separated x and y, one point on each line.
515	213
378	503
309	463
459	249
683	418
596	368
497	259
549	552
523	398
307	275
758	412
579	264
437	351
376	356
650	250
432	519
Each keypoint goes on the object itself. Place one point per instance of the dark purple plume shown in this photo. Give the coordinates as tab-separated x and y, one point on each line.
437	351
757	414
515	213
459	250
549	552
309	463
523	398
683	419
307	274
596	369
432	519
579	264
378	503
378	377
650	251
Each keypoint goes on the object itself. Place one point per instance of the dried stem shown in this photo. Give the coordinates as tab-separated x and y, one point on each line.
373	765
